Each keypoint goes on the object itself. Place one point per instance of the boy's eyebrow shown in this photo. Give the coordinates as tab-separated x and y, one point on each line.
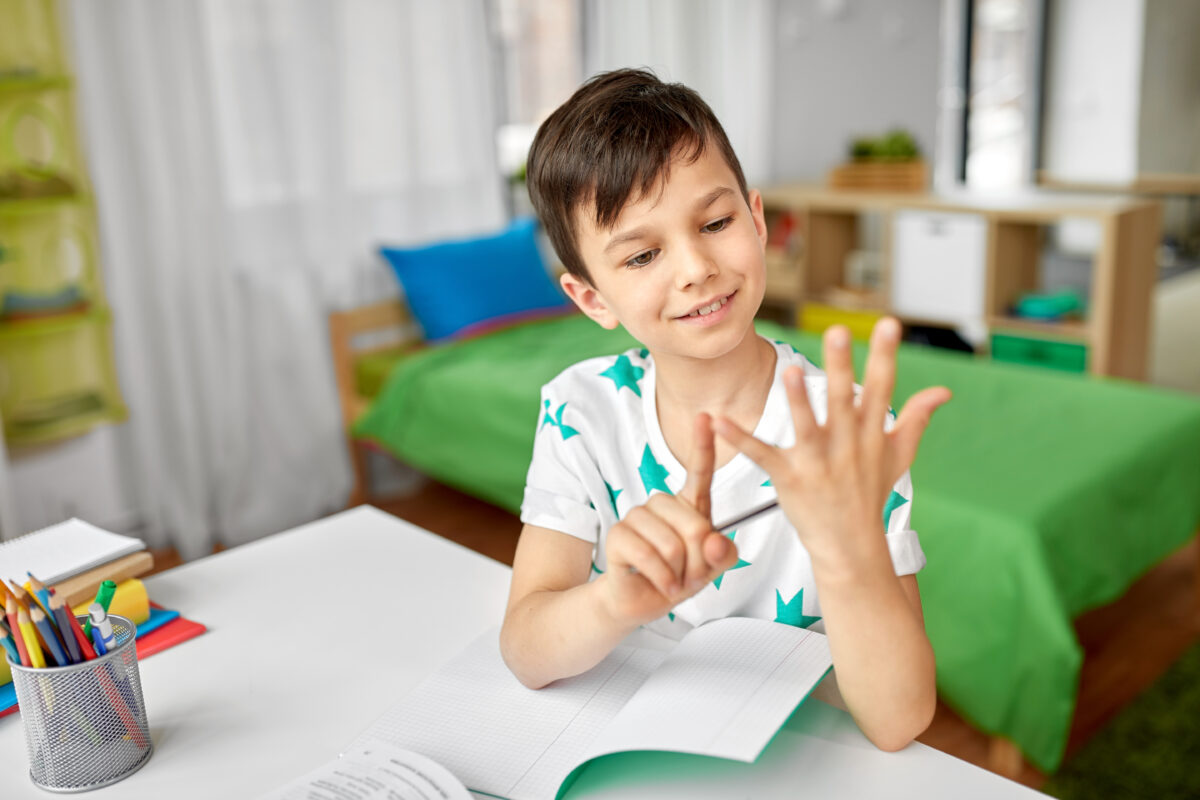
712	197
637	233
622	238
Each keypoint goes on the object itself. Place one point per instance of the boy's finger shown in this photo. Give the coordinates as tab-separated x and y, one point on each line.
671	548
802	414
720	552
879	379
697	489
759	452
911	424
637	554
688	528
840	372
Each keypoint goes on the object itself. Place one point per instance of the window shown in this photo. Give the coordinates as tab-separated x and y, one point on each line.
539	43
1004	78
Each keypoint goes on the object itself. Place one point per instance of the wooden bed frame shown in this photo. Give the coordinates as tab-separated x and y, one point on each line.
347	330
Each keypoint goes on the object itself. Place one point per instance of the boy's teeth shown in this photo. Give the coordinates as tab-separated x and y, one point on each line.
704	312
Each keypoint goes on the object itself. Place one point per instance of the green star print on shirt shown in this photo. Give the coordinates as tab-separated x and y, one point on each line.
624	374
566	430
894	501
654	475
612	498
792	612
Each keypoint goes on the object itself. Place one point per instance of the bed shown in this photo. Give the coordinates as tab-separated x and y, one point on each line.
1038	495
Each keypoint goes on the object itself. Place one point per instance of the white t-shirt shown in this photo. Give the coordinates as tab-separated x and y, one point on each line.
599	451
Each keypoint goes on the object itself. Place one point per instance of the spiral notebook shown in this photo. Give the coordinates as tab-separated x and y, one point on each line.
63	550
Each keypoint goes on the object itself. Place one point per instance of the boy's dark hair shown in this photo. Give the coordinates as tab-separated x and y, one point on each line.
612	140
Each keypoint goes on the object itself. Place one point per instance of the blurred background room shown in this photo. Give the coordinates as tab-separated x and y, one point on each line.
246	249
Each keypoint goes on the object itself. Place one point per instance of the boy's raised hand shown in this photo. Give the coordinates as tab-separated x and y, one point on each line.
834	481
665	551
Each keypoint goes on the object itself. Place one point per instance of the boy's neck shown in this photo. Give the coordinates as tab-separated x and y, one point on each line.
734	385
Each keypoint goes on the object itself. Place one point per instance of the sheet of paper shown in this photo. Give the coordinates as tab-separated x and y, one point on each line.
724	691
375	772
473	717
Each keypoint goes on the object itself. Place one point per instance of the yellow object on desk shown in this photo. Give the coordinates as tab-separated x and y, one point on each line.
129	601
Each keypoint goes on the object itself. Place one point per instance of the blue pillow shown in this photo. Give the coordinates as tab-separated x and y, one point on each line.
458	285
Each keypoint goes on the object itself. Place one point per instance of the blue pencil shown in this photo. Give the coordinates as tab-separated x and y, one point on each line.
10	647
55	646
64	627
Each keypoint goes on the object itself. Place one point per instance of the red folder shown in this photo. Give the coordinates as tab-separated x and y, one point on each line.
176	631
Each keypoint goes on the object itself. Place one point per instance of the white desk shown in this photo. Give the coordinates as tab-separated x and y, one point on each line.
247	707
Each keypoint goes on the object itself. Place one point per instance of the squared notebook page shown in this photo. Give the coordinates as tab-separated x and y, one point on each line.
56	553
476	719
724	691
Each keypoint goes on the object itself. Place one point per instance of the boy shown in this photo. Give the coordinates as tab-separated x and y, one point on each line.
646	205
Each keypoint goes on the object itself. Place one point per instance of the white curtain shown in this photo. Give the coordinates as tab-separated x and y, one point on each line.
248	156
721	48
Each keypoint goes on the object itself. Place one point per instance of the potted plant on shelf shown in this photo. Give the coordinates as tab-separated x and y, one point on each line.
889	163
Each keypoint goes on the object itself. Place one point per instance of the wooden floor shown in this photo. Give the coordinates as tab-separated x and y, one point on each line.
1127	644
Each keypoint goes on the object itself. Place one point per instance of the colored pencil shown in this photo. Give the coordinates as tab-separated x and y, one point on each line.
29	633
53	645
85	646
26	601
38	590
62	616
10	611
10	647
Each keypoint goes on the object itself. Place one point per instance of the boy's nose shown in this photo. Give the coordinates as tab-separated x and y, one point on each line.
695	267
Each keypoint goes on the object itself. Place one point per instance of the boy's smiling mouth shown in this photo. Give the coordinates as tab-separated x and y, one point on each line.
709	312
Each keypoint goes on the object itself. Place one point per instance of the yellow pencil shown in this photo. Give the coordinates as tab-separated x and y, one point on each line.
29	634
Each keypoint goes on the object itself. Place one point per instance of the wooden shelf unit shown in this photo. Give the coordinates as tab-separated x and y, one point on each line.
1117	326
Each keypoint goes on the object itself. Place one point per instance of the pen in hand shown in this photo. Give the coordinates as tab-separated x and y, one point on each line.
725	527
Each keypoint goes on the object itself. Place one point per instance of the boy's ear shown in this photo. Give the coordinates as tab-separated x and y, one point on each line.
756	211
584	295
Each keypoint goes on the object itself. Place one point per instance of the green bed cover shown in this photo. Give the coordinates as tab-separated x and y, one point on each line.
1038	495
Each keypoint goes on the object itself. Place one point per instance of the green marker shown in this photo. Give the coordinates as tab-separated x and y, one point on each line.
104	597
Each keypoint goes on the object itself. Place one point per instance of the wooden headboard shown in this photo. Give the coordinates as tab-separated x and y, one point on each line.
381	326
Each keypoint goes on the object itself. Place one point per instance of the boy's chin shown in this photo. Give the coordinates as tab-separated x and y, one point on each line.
707	344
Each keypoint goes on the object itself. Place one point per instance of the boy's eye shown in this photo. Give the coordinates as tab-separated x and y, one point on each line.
642	259
717	226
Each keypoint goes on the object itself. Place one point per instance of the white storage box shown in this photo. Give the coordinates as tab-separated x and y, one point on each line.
939	261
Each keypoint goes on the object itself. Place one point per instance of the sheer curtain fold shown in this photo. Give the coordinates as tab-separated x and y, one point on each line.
248	156
721	48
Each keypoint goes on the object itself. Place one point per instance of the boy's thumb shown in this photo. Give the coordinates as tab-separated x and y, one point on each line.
720	551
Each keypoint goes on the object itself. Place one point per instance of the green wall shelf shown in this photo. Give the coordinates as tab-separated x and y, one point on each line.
57	376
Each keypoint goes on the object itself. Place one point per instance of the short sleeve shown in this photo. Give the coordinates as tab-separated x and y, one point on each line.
905	548
556	495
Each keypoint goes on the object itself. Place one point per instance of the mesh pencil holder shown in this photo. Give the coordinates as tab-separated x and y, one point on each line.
85	724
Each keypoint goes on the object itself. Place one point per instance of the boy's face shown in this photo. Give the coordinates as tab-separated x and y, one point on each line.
696	247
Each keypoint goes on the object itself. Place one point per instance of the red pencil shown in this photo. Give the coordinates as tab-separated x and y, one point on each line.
10	611
77	629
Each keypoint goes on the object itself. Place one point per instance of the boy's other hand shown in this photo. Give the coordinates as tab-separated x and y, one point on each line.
665	551
834	481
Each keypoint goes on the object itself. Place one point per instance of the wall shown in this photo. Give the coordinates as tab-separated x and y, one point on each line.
847	68
79	477
1093	88
1169	129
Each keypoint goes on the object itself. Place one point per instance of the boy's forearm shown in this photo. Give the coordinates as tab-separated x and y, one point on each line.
885	665
550	635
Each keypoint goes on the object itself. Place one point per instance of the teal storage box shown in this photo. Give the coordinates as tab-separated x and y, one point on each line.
1065	356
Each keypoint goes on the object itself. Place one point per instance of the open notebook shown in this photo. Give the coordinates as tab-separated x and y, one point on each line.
55	553
724	690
